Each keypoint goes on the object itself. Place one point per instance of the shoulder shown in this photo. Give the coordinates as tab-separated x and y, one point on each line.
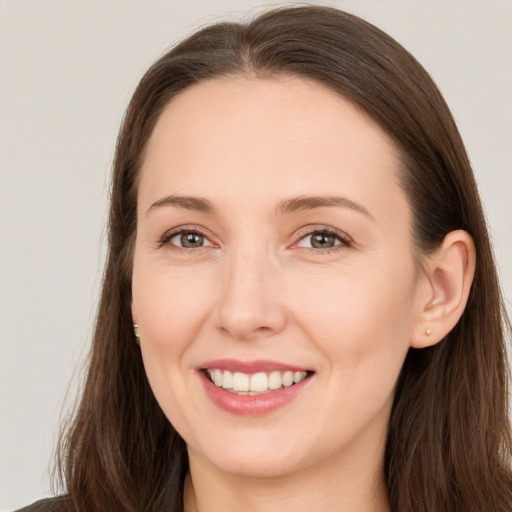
48	505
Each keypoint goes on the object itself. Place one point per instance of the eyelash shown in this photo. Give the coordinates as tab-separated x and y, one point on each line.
166	239
344	240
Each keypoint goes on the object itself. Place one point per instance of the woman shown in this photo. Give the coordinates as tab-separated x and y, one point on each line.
300	306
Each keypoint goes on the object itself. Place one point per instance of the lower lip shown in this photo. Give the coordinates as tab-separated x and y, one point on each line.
252	405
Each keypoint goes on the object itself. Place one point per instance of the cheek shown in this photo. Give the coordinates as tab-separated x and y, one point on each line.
361	327
170	307
361	322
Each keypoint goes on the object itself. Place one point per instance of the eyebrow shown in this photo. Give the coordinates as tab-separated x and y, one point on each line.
310	202
286	206
185	202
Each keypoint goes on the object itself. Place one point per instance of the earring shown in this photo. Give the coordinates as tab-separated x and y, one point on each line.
135	332
428	332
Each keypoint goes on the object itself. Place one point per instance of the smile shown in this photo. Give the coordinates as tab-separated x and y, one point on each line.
253	388
253	384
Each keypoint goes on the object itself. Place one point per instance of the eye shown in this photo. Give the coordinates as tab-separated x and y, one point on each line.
323	239
186	239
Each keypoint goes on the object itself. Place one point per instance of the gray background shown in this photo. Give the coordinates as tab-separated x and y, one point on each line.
67	71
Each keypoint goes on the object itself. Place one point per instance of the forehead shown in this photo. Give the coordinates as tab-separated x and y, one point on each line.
280	136
284	109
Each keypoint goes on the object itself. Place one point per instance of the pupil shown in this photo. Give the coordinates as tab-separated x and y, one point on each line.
321	241
191	240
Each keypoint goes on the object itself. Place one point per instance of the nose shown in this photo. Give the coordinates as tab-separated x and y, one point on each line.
251	303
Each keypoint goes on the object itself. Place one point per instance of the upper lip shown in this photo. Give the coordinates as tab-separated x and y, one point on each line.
250	367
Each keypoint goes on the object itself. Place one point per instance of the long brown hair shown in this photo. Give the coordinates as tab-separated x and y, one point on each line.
449	443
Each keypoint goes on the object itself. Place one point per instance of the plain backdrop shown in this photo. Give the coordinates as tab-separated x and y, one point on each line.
68	69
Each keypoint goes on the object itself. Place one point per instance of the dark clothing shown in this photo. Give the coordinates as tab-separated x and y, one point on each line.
47	505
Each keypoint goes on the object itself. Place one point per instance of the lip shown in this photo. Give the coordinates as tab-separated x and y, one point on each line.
251	405
261	365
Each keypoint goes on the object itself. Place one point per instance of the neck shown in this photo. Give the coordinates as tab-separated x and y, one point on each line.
348	484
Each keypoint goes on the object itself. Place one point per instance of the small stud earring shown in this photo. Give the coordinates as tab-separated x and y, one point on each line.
137	335
428	332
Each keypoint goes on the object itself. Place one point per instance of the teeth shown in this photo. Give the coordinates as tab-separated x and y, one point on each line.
260	382
227	380
240	381
274	380
217	377
298	376
287	379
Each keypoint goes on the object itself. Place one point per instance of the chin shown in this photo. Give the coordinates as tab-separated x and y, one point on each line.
258	467
256	457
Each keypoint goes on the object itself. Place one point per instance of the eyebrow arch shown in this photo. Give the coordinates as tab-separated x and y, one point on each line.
310	202
286	206
185	202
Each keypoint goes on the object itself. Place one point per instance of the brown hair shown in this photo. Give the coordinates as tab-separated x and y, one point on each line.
449	443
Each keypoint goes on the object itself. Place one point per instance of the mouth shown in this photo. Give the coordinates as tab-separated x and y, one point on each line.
241	383
253	388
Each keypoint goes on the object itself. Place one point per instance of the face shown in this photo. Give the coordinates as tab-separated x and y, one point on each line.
274	256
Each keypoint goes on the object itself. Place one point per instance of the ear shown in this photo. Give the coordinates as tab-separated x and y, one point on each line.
444	291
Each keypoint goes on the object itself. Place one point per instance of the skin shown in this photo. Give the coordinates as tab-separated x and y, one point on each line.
257	289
